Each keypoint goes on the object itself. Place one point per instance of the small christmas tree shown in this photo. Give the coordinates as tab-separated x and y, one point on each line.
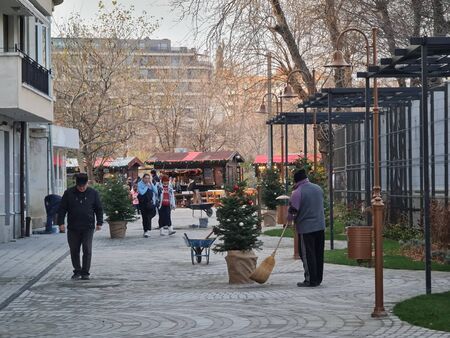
116	201
239	225
271	188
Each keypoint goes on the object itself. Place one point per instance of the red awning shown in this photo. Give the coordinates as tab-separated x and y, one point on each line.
194	156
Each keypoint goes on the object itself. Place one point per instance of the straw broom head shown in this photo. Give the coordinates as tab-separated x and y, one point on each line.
263	271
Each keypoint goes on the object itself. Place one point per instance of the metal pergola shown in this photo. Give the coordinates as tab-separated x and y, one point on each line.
424	58
342	99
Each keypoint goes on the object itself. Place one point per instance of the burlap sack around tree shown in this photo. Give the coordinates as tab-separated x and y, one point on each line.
241	265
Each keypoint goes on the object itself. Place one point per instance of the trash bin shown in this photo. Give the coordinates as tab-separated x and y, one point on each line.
282	209
203	222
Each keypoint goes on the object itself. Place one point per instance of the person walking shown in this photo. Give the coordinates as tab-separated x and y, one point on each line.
307	211
155	177
147	202
134	198
166	205
81	203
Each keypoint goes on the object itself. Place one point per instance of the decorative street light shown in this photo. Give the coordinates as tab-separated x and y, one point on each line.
288	93
377	201
279	109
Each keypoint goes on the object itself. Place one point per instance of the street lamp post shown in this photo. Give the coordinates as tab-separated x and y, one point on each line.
279	109
377	201
288	93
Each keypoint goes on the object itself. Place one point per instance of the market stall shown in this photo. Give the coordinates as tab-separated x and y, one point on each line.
207	172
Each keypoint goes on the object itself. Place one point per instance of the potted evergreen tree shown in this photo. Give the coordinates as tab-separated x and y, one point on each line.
117	207
271	188
238	231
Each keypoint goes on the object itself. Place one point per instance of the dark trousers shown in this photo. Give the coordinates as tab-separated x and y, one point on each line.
76	239
311	249
164	216
49	223
147	215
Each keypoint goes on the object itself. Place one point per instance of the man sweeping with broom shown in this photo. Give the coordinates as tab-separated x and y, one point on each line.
307	212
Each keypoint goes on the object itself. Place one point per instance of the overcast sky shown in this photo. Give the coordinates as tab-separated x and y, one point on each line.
170	27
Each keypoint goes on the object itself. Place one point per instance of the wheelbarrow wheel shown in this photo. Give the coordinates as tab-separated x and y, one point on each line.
198	251
192	256
209	212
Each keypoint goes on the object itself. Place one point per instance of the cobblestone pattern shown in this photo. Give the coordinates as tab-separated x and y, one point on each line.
149	287
24	259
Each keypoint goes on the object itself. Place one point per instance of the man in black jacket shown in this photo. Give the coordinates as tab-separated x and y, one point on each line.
80	203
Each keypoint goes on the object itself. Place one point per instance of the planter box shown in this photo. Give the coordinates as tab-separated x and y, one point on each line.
359	242
269	218
282	213
117	229
240	264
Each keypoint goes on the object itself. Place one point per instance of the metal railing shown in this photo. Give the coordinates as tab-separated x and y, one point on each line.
34	74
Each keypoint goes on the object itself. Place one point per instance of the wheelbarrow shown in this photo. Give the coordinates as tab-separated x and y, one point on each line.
199	248
206	207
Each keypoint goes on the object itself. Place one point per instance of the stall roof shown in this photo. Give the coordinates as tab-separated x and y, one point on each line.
218	156
109	162
262	159
126	162
355	97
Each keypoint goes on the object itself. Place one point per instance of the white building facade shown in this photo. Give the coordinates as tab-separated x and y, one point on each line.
26	110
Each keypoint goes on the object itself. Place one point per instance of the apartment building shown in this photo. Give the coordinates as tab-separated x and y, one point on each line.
26	112
180	73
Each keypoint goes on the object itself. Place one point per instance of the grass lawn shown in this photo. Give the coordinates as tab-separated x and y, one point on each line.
430	311
392	256
338	232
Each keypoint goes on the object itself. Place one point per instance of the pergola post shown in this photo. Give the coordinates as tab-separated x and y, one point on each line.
305	134
270	140
330	171
286	157
426	164
446	123
368	148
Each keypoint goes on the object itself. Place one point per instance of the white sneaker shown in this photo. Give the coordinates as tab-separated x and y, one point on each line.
163	231
147	234
171	231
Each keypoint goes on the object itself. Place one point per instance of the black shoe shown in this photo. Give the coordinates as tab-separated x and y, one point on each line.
85	277
306	285
76	276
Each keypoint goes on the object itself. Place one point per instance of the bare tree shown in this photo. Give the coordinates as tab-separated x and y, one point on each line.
95	79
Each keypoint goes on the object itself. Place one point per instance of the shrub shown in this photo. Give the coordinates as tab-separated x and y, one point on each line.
440	224
401	232
271	188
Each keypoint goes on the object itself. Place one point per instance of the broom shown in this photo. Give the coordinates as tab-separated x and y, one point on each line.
263	271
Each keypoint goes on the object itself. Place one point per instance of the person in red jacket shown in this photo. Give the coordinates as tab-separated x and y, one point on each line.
166	205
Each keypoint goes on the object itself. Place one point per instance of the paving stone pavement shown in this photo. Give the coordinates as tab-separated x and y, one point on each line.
148	287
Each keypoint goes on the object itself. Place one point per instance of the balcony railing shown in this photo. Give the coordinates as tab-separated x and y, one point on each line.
34	74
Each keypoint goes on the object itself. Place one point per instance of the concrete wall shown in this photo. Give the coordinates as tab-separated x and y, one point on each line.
38	180
9	181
